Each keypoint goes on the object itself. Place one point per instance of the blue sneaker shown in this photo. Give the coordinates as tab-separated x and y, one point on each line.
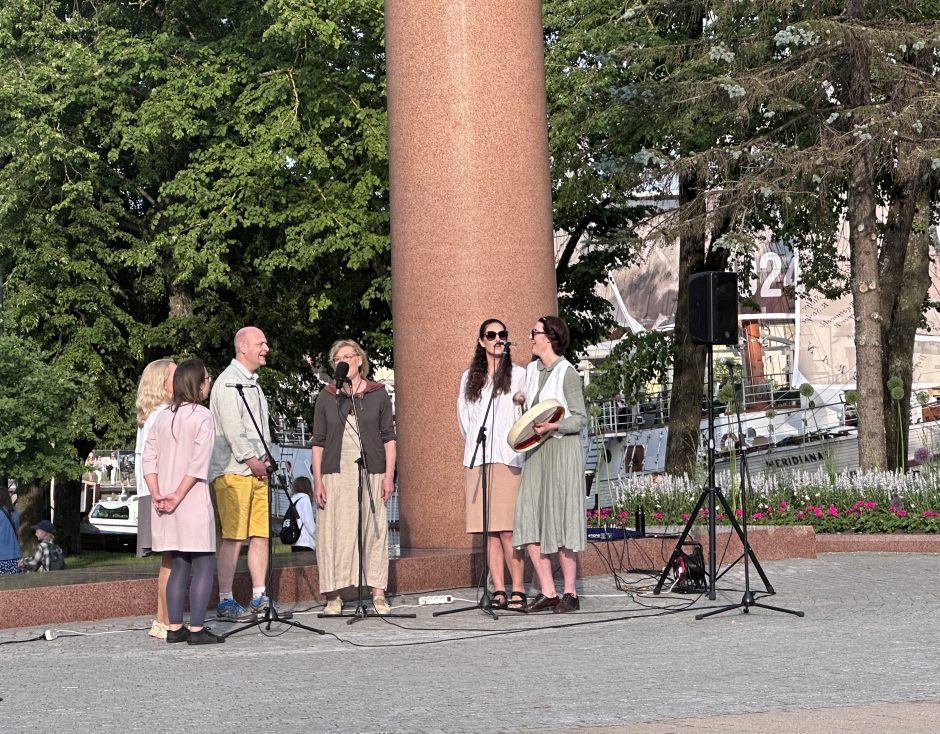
230	610
259	606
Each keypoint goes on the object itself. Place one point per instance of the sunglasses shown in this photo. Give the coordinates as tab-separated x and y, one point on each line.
491	335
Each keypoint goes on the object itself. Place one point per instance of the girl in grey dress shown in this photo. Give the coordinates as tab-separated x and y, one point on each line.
550	505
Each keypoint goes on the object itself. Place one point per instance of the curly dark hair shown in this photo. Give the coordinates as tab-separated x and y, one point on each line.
556	331
478	368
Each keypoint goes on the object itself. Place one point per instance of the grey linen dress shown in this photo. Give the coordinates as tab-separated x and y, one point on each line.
550	503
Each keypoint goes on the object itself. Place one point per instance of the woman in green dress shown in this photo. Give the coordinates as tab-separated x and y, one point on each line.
550	504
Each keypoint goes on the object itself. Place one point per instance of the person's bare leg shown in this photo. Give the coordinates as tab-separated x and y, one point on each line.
514	560
162	578
496	562
568	560
543	569
257	560
227	560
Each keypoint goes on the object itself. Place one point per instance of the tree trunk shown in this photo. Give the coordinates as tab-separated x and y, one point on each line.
685	400
903	314
31	504
863	244
68	495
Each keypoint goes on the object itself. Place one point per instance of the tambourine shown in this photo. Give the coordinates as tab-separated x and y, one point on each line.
522	436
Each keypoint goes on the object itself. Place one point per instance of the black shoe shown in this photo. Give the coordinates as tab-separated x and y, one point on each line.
568	603
205	637
180	635
542	603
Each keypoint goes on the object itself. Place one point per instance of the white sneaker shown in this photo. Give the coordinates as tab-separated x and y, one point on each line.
381	605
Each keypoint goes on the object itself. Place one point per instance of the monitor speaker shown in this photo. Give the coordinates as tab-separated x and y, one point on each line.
713	308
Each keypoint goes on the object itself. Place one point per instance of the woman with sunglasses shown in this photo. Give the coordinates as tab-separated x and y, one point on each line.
176	466
550	507
492	373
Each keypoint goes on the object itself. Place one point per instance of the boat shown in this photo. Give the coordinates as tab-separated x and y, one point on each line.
794	360
113	517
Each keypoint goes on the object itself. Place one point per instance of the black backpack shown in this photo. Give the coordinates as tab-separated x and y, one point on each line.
56	557
290	528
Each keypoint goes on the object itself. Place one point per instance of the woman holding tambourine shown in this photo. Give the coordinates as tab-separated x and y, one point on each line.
492	371
550	505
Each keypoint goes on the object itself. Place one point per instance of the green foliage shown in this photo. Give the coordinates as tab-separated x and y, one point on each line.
36	402
635	362
592	141
170	172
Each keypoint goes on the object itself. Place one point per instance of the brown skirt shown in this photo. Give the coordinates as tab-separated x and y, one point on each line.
502	484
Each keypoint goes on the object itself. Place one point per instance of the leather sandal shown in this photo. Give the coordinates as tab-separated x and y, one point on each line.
517	601
498	600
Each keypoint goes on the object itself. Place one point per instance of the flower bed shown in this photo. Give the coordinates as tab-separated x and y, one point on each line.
873	502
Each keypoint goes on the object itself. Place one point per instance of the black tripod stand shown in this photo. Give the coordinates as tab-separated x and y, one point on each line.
747	600
485	599
712	492
270	614
363	486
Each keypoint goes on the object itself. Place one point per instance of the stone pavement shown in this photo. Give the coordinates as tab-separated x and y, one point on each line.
864	658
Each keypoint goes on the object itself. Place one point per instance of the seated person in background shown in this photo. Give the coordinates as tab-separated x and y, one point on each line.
48	555
302	497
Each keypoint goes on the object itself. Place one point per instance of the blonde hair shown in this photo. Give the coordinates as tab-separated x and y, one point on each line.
364	358
150	391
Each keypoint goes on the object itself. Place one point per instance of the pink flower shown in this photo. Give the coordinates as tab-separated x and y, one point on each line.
800	515
833	512
658	515
757	515
739	512
622	515
871	505
902	513
684	515
818	512
782	507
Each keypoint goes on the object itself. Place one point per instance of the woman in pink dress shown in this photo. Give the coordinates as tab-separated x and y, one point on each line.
176	465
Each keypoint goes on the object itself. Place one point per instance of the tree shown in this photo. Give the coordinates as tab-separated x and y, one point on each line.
169	172
591	145
787	117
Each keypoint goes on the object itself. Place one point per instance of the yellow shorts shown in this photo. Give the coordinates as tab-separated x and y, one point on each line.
242	506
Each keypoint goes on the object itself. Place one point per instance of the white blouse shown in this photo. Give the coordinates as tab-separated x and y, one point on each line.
142	433
502	416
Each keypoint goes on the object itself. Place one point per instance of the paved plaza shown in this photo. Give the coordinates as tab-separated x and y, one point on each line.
864	658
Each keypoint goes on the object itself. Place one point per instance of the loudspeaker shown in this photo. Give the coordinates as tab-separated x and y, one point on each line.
713	308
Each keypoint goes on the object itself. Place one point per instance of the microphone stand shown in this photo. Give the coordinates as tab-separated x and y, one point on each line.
270	614
485	600
364	485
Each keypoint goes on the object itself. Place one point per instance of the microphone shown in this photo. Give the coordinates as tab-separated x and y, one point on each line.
342	369
507	344
243	386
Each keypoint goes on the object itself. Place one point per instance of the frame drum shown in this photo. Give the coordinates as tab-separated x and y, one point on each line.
522	436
